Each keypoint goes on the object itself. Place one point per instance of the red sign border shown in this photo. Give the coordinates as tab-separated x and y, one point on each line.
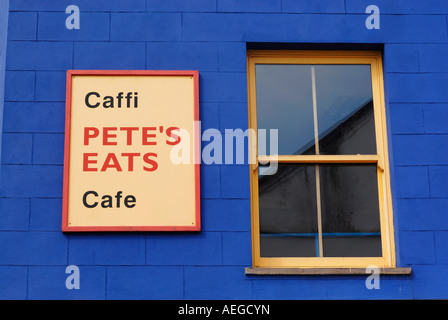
70	74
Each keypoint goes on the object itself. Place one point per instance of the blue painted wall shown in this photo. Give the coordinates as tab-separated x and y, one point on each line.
211	36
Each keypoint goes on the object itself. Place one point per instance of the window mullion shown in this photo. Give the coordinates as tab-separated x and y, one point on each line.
316	130
319	212
316	145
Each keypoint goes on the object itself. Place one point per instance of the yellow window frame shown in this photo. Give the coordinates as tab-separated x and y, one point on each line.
374	59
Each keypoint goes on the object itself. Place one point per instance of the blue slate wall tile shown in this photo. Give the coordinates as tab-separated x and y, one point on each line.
412	182
157	26
417	87
424	277
233	116
84	5
210	176
202	56
237	248
424	214
249	6
19	85
109	56
34	117
385	6
235	181
408	7
14	214
432	57
181	5
440	239
14	283
232	56
31	181
409	28
144	283
33	248
22	26
420	149
184	249
209	117
282	288
50	86
97	249
223	87
401	58
17	148
226	215
431	7
435	117
46	214
304	6
219	282
46	55
417	247
406	118
438	176
48	148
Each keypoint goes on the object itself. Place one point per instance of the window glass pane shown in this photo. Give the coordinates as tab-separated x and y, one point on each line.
287	206
345	109
284	102
350	210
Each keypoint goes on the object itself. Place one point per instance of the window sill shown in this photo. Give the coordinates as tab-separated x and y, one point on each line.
323	271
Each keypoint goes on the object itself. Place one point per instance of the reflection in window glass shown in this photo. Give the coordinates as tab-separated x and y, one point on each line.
284	102
345	109
288	218
350	212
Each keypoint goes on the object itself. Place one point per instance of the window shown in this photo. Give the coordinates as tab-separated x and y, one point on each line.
328	204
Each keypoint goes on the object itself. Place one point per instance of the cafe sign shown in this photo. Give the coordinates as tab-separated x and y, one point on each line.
124	133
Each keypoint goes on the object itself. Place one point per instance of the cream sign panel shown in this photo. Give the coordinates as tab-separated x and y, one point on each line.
123	132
